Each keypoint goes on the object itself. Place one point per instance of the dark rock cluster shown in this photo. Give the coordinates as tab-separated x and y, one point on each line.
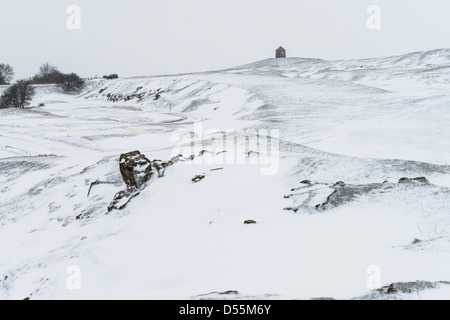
136	170
137	95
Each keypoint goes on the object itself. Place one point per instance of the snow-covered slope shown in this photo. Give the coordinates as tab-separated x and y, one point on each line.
332	207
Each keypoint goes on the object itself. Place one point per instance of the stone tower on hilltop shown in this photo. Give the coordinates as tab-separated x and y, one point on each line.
280	53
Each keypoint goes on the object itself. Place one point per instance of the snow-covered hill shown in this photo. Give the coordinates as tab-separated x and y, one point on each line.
343	165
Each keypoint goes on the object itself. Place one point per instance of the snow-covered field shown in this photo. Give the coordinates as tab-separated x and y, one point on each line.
315	153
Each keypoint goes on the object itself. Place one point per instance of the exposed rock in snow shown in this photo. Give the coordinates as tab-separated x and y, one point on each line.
421	180
135	168
136	171
198	178
122	198
339	193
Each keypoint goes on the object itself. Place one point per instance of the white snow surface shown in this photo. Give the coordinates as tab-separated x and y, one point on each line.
367	123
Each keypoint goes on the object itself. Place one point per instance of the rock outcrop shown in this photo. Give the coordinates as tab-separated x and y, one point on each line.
419	180
340	193
136	170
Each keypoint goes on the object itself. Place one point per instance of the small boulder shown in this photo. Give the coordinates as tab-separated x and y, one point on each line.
232	292
391	289
160	166
420	180
339	184
135	168
122	198
198	178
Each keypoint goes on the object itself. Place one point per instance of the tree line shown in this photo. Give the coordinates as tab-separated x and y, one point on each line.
20	94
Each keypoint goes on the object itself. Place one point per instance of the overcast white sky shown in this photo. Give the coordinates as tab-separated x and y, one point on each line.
148	37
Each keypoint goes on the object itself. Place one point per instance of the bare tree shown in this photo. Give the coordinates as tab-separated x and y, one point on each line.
47	74
6	73
18	95
47	69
